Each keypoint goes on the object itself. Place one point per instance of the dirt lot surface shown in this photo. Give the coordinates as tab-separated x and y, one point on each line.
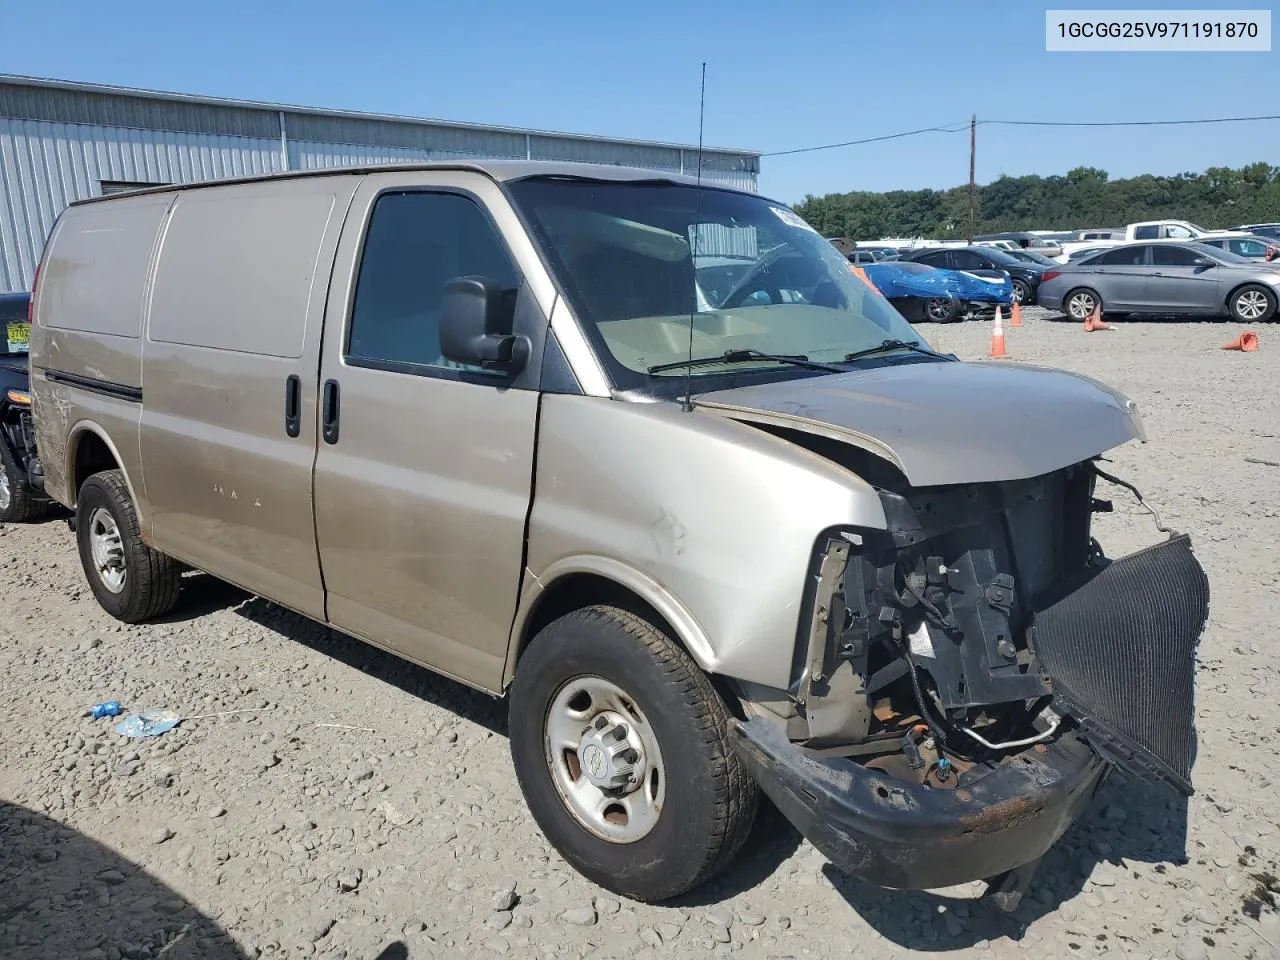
364	805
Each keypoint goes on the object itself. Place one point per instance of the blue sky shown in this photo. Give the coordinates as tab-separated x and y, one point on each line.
779	75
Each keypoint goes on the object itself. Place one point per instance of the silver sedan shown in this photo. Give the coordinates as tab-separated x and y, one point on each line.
1166	278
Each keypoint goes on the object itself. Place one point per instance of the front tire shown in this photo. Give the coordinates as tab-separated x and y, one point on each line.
1252	303
131	581
620	745
18	503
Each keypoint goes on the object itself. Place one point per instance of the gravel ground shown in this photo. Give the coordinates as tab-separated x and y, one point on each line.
364	805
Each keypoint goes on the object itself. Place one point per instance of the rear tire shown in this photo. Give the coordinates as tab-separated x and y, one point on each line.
942	309
1022	293
1252	303
18	502
131	581
685	805
1080	303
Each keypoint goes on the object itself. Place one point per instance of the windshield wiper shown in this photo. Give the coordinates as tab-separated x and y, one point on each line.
886	345
746	356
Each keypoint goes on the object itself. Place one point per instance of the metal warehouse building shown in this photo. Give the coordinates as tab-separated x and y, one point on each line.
62	141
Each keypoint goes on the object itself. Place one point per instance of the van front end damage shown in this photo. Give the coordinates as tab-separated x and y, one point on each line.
964	678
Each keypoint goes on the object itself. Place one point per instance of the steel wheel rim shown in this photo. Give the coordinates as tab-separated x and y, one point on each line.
107	550
614	786
937	308
1081	306
1251	305
6	492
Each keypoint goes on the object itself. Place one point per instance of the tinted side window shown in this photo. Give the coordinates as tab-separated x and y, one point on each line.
1149	232
416	243
937	258
1122	256
967	260
1163	256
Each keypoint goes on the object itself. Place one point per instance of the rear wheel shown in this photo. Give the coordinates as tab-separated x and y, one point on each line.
1252	303
1081	303
1021	291
942	309
131	581
620	744
18	502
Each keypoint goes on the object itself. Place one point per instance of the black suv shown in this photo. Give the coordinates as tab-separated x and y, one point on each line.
21	481
1025	276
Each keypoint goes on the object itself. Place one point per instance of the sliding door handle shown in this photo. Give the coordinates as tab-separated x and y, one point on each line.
293	405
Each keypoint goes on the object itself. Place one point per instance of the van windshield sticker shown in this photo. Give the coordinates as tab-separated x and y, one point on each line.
792	219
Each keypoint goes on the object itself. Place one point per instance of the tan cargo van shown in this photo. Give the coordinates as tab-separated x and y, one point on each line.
646	457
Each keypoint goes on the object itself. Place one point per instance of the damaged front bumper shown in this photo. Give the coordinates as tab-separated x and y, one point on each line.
909	836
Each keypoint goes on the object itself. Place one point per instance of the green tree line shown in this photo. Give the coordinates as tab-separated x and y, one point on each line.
1086	197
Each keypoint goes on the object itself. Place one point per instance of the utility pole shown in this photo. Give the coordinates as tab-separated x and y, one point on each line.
973	147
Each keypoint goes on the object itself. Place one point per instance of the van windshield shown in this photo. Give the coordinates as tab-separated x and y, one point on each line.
641	261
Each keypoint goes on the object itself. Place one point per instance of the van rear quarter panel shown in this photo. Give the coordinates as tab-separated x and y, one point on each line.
236	308
88	320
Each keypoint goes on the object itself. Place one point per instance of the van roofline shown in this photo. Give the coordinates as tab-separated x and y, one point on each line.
501	171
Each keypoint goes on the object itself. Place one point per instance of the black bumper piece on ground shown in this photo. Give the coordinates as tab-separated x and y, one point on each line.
1120	644
898	834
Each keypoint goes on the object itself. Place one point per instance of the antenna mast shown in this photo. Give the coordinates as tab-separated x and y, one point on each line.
687	406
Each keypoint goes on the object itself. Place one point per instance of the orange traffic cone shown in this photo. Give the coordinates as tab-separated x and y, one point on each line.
1015	317
1095	322
1246	342
997	337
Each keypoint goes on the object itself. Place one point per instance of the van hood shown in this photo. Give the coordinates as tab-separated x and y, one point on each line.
948	422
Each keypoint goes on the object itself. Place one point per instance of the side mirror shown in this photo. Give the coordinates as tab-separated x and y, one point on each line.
477	317
1202	262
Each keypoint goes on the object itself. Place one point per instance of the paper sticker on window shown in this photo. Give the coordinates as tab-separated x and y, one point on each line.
792	219
17	337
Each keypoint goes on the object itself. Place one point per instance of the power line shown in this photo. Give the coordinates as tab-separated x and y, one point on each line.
854	143
961	126
1122	123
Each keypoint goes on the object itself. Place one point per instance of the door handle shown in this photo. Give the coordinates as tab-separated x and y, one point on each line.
1157	274
329	412
293	405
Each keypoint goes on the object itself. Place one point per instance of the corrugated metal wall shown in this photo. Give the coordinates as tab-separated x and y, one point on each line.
45	166
58	145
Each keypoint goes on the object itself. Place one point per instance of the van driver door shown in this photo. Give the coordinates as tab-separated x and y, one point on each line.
424	470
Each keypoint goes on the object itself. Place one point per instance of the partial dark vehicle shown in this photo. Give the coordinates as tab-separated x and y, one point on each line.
1166	278
1025	276
1031	256
21	483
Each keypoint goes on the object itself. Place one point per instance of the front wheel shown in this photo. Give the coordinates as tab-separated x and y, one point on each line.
131	581
1252	303
620	745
